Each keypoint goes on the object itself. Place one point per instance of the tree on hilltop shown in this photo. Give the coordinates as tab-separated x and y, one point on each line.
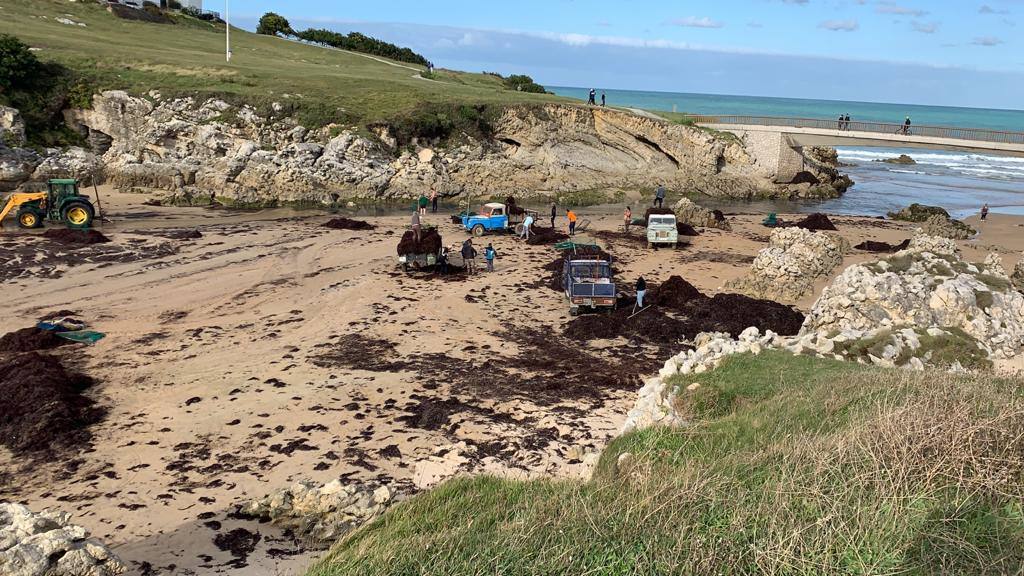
273	24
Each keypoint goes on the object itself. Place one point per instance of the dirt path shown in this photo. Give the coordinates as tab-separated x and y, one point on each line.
272	349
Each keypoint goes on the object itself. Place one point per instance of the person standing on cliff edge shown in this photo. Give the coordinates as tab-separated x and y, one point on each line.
602	99
593	95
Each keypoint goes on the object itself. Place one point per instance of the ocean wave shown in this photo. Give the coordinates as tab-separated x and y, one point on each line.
978	165
907	171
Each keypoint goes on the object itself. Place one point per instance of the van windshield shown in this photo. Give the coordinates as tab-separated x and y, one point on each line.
594	270
662	221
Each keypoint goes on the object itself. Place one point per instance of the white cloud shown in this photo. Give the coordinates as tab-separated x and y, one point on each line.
892	8
695	22
840	25
925	27
755	25
987	41
986	9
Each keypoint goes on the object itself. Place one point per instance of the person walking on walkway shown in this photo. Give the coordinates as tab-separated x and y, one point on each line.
469	255
659	196
527	223
839	123
554	209
433	200
984	212
416	228
423	204
627	219
572	221
846	122
641	290
489	254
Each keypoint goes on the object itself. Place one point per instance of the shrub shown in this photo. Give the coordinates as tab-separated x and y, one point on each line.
523	83
444	123
40	91
18	65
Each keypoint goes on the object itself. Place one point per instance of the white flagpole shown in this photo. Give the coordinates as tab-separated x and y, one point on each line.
227	26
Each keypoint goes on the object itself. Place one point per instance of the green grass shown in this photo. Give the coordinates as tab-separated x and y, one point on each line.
793	465
188	58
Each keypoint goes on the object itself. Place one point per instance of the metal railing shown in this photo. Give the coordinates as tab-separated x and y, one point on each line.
977	134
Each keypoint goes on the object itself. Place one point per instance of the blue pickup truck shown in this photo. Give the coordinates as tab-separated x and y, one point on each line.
495	217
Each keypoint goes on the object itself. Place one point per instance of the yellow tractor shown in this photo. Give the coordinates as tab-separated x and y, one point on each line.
61	202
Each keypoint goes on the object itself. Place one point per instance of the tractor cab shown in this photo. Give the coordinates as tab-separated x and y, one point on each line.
62	202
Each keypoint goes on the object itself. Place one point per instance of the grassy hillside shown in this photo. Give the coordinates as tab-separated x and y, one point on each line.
794	465
188	57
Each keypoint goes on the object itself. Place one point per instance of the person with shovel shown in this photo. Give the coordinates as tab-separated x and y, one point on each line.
641	290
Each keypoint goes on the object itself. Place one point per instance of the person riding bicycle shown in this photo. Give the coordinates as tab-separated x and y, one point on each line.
906	126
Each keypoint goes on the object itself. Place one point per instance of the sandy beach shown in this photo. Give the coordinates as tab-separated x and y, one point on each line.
271	349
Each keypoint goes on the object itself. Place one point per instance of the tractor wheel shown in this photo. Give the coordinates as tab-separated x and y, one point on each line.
29	219
77	215
478	230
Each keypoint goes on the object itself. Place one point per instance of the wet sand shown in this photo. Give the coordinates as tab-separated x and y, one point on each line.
272	349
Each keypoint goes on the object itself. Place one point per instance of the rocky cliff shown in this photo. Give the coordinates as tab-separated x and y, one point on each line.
206	149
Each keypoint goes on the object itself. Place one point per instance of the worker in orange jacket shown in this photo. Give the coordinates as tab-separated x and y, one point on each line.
572	221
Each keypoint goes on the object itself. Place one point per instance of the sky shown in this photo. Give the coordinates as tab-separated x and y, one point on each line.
942	52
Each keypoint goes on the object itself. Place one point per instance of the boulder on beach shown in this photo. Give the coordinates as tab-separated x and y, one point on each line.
47	544
947	227
787	269
917	213
937	222
1018	274
689	212
926	285
321	513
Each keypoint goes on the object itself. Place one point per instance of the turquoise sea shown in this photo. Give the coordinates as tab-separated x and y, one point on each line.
959	181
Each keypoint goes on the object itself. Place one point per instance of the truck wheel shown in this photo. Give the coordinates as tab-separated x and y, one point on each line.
77	215
574	310
478	230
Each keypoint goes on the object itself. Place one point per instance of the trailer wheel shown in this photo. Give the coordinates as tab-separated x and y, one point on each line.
478	230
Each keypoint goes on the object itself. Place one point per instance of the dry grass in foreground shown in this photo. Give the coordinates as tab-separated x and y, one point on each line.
794	465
